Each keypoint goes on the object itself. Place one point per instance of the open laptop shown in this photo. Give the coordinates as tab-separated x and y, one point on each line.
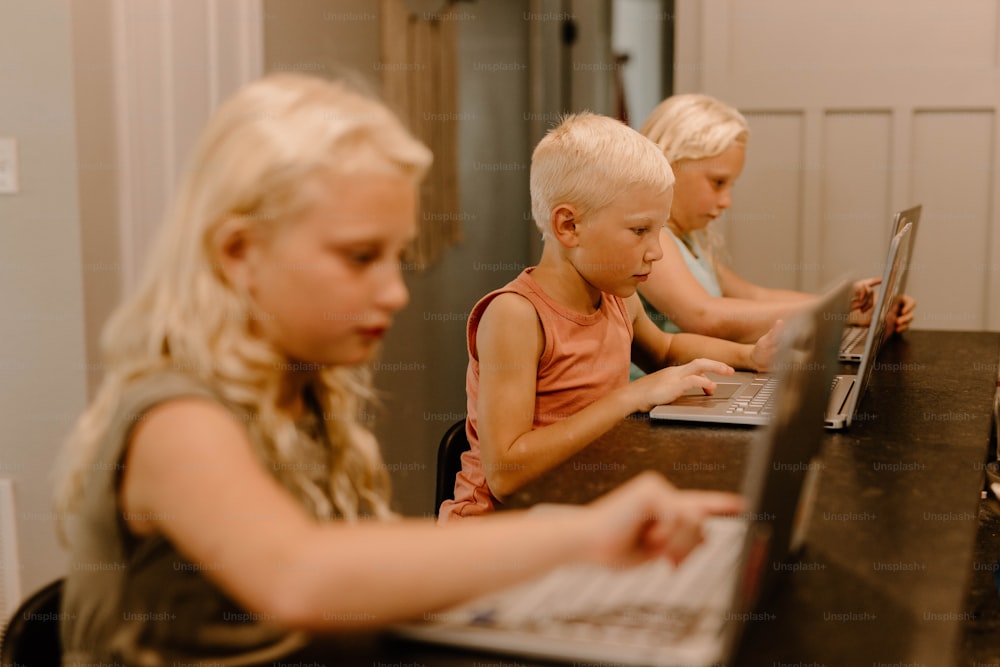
748	398
847	390
657	614
853	342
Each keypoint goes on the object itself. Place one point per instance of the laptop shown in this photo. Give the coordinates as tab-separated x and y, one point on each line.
748	398
657	614
847	390
853	342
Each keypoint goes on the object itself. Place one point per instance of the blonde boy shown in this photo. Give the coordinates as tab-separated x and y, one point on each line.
549	353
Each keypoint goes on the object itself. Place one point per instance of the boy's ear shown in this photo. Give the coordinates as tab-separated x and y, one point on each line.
565	221
230	247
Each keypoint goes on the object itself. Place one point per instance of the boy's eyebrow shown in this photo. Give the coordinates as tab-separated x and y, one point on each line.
642	217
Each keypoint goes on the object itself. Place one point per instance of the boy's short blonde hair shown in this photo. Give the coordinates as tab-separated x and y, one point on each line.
587	161
694	126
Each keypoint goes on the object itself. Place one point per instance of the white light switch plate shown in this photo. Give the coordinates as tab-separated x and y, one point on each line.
8	166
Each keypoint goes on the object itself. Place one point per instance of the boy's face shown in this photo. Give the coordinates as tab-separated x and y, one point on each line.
325	286
703	189
619	243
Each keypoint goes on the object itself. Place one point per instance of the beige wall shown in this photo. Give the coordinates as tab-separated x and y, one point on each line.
323	37
42	384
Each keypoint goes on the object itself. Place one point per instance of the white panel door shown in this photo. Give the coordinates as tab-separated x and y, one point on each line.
175	62
858	109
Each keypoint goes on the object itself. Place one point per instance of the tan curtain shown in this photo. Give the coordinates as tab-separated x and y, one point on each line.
419	81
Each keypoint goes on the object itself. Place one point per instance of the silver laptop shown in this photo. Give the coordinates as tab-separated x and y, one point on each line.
847	390
748	398
853	343
657	614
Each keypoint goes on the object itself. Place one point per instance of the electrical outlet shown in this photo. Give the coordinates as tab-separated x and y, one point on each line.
8	165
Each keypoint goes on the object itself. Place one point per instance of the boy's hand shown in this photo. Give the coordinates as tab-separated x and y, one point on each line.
864	294
648	517
763	352
665	385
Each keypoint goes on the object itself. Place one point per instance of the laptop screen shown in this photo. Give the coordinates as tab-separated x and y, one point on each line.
910	216
786	448
884	316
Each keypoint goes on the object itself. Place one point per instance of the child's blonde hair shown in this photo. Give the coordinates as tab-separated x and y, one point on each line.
253	161
694	127
587	161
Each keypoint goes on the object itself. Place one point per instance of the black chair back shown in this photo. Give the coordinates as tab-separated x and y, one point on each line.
32	635
449	461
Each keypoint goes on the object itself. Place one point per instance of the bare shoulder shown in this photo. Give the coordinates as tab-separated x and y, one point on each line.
634	307
178	442
186	417
510	325
510	307
179	433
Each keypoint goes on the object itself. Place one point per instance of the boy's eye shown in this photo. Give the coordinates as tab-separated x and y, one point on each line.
639	231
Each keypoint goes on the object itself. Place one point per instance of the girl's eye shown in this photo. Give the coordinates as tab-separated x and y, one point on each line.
361	257
639	231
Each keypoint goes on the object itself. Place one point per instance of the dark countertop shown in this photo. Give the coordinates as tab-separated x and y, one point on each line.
891	573
889	554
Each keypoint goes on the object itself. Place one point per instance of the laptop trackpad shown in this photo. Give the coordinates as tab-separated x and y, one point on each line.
723	391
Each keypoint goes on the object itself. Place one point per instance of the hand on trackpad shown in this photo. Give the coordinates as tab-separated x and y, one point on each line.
722	390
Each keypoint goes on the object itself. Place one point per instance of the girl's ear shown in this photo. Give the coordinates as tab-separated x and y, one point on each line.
565	220
231	249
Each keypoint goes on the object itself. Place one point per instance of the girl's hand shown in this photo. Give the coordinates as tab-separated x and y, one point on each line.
665	385
857	318
764	351
904	314
864	294
648	518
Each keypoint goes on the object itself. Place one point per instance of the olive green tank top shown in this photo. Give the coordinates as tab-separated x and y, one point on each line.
137	601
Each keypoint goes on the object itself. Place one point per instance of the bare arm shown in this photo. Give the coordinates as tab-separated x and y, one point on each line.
738	315
653	349
735	286
508	346
191	476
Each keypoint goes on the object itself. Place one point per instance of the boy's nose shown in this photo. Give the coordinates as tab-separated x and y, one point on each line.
655	251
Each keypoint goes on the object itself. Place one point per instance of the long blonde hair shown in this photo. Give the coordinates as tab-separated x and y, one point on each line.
694	126
257	152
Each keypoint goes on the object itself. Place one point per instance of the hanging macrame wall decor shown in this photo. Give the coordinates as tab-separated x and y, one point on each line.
419	81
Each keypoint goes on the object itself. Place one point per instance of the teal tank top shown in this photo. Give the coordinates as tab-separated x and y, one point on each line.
700	268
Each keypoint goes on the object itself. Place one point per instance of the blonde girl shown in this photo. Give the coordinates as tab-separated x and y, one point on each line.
692	288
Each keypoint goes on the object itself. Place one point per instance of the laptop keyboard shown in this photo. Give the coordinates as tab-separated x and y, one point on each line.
644	605
851	337
756	399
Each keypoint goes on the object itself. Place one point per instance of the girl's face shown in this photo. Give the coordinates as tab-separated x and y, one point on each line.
703	189
326	285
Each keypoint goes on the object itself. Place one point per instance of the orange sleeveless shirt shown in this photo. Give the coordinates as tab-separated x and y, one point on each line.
583	358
